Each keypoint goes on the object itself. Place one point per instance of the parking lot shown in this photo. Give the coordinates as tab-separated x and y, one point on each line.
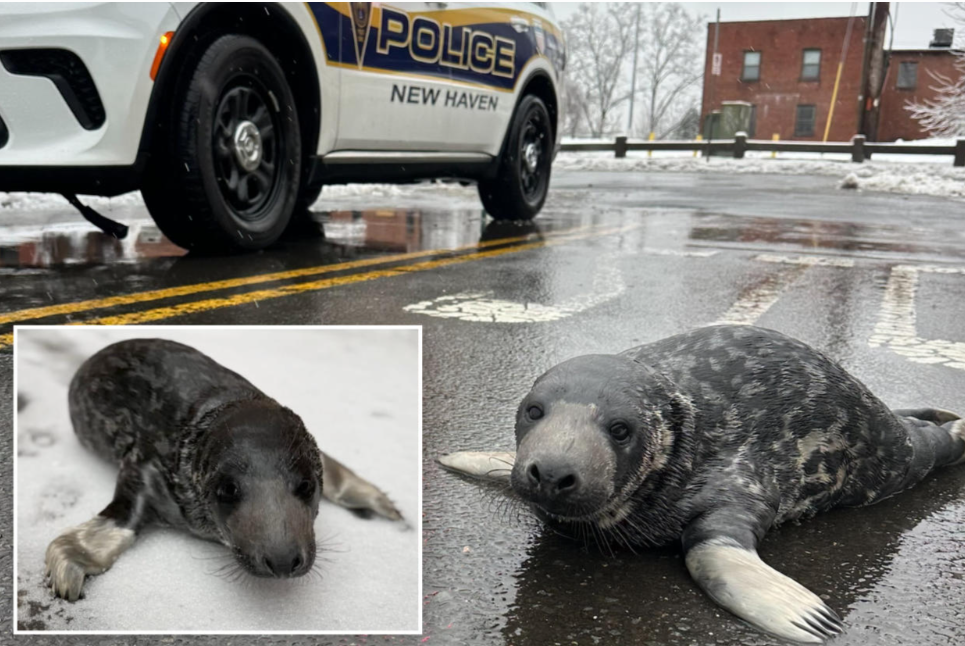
877	281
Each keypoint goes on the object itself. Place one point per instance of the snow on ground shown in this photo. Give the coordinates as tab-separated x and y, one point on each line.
940	179
357	392
913	174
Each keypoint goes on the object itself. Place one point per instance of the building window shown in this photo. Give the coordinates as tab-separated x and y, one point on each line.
804	121
752	67
811	65
907	75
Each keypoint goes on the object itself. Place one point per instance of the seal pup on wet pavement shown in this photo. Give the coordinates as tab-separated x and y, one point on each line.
711	438
200	448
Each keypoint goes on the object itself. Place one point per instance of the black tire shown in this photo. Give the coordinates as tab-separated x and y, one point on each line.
207	186
519	188
309	196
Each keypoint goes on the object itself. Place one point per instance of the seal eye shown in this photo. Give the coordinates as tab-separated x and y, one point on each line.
305	489
619	431
228	491
534	412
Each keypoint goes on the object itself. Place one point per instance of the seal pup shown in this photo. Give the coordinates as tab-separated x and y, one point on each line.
711	438
200	448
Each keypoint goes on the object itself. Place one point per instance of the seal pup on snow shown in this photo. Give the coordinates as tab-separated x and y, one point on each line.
200	448
711	438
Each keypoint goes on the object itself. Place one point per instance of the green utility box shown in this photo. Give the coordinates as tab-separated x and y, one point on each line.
733	117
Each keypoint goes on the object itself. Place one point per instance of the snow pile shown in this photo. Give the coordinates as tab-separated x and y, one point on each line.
357	392
851	181
50	201
934	178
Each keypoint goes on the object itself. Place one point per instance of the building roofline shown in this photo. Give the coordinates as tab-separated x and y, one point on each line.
740	22
928	50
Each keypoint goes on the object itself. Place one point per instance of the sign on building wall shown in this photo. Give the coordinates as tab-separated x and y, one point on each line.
715	67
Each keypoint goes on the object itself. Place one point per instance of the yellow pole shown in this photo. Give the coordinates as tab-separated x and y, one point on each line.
837	78
774	137
652	137
834	96
699	139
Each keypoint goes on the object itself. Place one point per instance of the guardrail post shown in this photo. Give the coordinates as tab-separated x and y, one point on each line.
621	147
960	152
858	152
740	145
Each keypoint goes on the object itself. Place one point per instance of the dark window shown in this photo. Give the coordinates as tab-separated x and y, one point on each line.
907	75
752	67
811	65
752	127
804	123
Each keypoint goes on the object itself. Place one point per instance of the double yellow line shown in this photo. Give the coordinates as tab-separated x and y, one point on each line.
208	304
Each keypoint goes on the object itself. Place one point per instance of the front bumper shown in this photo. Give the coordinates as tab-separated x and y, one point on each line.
117	43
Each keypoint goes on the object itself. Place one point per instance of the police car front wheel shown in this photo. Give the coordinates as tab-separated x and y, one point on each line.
226	173
519	188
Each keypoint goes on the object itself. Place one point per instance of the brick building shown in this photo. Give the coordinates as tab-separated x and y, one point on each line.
909	79
785	69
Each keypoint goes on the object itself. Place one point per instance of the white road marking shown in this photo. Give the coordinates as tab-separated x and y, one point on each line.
482	307
896	327
677	252
754	301
824	261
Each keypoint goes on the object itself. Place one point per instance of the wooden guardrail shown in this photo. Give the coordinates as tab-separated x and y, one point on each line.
858	147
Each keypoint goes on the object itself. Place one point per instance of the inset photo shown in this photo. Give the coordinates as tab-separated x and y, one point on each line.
218	479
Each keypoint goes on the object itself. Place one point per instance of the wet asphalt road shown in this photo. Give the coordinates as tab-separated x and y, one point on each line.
616	260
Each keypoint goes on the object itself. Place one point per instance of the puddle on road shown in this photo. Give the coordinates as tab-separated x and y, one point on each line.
71	244
347	233
825	235
352	233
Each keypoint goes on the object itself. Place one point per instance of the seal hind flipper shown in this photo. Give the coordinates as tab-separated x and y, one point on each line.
345	488
486	465
92	547
736	578
935	415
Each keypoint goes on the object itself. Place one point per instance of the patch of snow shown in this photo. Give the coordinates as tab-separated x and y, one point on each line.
357	393
940	179
850	181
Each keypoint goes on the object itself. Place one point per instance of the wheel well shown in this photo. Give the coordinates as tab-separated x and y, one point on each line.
541	85
266	22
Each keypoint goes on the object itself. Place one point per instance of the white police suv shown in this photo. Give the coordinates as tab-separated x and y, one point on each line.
229	117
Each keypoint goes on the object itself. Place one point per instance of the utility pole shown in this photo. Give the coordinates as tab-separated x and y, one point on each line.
872	70
713	86
633	75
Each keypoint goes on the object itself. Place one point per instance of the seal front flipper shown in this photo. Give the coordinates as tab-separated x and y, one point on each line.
346	489
92	547
721	555
488	465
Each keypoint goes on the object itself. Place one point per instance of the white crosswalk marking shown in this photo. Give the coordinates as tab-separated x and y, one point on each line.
896	327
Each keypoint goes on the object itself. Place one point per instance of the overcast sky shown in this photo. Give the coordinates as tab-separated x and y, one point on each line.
916	20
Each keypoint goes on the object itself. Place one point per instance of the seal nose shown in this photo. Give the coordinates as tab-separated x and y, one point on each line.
553	479
284	563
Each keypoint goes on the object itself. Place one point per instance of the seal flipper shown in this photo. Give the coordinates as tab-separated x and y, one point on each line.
736	578
489	465
92	547
721	555
346	489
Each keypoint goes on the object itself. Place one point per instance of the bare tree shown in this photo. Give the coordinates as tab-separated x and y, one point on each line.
599	37
671	65
944	115
574	108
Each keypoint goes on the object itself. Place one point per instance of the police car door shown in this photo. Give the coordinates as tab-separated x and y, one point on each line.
394	86
490	46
